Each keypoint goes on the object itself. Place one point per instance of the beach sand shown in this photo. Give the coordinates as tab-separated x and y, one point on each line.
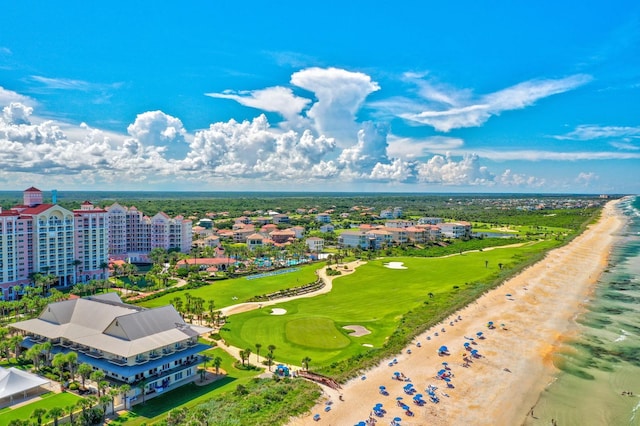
501	387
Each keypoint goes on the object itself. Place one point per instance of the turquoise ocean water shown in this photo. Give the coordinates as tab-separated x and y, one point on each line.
599	383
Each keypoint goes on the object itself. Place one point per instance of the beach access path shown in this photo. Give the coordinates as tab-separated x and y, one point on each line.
538	309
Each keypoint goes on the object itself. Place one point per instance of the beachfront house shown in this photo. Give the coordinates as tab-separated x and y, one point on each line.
128	343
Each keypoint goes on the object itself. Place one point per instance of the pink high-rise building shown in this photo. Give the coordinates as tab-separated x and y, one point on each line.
132	235
51	240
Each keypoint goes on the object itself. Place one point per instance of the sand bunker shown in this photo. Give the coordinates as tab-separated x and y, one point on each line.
367	345
357	330
278	311
395	265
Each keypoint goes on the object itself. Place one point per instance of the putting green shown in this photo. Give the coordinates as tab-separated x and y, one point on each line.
316	333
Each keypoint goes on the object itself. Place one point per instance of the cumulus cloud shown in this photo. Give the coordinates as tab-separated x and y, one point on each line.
155	129
509	178
587	132
370	149
252	149
17	113
340	94
446	109
445	170
273	99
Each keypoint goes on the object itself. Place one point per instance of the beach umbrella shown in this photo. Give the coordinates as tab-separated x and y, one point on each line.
446	379
473	352
397	419
479	333
396	373
441	372
445	363
418	395
382	387
361	423
399	398
466	344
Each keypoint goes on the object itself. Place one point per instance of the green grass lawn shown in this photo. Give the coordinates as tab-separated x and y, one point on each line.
224	291
156	409
375	297
48	401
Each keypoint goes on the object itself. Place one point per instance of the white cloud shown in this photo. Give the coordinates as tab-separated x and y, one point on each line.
72	84
339	94
586	178
410	148
159	130
17	113
370	149
625	145
536	155
589	132
445	170
9	96
448	108
509	178
274	99
251	149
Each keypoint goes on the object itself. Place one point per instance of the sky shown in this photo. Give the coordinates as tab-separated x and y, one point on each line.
370	96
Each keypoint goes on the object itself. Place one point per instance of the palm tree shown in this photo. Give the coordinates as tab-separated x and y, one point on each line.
72	362
217	362
38	414
270	359
97	377
55	413
142	384
84	370
243	356
247	353
305	362
258	347
59	361
105	400
124	390
70	409
104	266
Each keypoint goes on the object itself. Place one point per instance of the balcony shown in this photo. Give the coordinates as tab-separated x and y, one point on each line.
154	355
95	354
118	361
141	359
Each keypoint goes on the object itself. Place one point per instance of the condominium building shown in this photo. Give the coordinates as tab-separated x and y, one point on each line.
46	238
132	235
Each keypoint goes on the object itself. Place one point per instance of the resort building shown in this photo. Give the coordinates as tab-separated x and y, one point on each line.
128	343
315	244
323	218
48	239
132	235
455	229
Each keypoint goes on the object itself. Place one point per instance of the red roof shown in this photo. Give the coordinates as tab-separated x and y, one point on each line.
207	261
32	189
37	209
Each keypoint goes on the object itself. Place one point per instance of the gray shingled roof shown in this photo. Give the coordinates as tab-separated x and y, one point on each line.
105	323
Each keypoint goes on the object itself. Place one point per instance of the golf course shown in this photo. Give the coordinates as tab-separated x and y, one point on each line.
377	298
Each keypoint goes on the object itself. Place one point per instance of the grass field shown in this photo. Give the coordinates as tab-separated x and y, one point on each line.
374	297
223	292
47	401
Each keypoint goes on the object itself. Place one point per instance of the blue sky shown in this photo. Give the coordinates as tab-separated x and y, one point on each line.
409	96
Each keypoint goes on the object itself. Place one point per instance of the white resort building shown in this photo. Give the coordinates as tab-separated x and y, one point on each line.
128	343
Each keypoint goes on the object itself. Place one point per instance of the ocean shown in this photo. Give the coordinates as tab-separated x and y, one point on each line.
599	383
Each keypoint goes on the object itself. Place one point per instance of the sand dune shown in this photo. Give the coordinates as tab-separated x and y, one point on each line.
537	308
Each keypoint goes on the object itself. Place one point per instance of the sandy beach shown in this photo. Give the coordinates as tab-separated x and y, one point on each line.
538	308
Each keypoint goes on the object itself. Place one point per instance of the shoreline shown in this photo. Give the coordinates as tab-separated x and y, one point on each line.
538	308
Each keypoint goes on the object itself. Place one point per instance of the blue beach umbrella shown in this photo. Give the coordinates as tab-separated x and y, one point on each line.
443	349
397	419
